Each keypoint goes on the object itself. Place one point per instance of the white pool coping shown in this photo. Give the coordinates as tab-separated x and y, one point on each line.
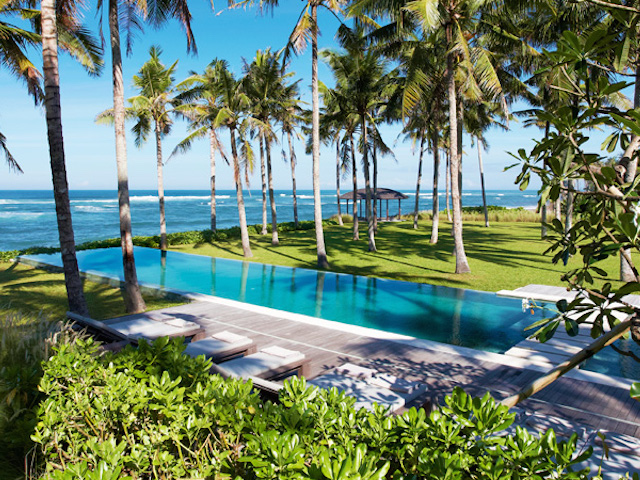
498	358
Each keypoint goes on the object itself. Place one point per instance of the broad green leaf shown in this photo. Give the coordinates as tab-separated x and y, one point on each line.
635	391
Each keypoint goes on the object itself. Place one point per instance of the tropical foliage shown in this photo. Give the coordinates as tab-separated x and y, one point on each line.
162	414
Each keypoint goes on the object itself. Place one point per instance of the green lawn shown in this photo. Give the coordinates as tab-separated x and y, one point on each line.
31	290
503	256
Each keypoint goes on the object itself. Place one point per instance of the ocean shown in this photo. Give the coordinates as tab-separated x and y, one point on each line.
28	218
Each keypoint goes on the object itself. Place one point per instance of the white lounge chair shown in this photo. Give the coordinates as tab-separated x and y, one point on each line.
369	386
268	363
151	329
221	346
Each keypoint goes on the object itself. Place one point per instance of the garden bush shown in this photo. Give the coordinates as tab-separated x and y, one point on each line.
25	342
152	412
179	238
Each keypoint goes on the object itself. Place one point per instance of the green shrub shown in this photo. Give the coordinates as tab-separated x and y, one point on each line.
25	342
154	413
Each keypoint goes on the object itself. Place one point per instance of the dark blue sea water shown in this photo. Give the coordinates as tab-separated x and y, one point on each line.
27	218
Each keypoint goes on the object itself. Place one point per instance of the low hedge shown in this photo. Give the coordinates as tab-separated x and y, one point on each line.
178	238
152	412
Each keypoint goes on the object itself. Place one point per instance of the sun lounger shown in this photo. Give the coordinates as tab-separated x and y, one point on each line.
268	363
152	329
221	346
369	386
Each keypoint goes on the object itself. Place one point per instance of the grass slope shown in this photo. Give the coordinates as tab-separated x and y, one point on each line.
31	290
503	256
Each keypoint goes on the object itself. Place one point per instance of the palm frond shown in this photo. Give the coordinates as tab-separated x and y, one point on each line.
11	161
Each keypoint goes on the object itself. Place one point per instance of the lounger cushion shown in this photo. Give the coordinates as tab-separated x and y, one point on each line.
147	328
217	344
258	364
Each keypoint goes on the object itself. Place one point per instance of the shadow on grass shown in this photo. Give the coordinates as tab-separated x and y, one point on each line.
33	290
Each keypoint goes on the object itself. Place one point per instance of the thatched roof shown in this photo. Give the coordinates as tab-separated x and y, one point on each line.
383	194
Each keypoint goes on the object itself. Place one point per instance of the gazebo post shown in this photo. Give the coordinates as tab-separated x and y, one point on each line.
387	209
347	205
399	209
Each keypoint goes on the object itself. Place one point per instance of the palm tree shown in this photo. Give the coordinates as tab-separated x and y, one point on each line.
199	103
422	107
65	29
264	84
362	79
469	67
149	108
479	117
289	118
233	105
15	43
155	83
339	116
330	131
83	48
156	13
306	27
458	20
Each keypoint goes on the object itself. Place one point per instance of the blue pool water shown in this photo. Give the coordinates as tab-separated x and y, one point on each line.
469	318
450	315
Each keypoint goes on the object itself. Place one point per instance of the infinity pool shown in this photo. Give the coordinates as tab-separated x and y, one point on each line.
450	315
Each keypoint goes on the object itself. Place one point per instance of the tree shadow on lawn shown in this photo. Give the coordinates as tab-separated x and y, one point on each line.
25	289
400	244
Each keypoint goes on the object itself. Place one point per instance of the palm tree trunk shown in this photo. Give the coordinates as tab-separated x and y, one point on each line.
242	216
367	185
163	220
543	210
338	182
133	300
356	227
272	200
317	201
447	181
417	206
460	149
375	188
484	194
293	161
462	266
212	157
264	188
627	273
73	282
436	177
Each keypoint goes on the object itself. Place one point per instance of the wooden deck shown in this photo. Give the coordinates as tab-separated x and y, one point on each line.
594	405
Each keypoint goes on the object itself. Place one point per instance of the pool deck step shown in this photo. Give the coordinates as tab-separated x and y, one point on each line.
548	293
552	352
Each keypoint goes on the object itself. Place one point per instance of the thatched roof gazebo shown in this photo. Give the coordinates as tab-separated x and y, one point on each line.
381	194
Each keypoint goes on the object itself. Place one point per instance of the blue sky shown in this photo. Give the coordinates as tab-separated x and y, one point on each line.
231	35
